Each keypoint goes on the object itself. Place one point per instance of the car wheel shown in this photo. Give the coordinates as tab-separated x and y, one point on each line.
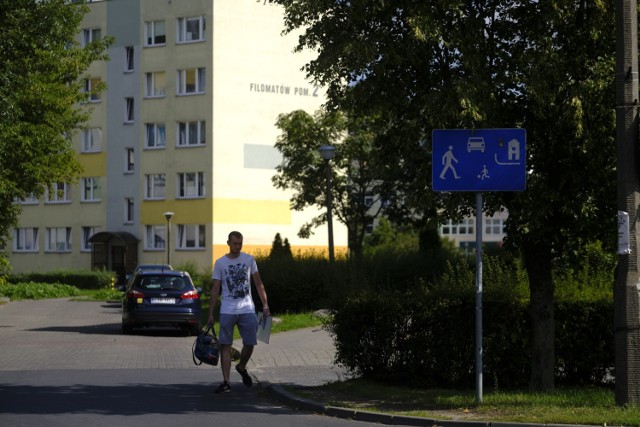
195	330
127	329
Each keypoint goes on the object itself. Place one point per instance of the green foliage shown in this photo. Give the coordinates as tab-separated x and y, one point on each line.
41	98
387	238
32	290
82	279
201	277
280	248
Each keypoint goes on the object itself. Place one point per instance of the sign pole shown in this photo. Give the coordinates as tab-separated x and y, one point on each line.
479	297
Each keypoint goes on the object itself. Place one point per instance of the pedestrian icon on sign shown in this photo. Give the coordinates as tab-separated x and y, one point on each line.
447	161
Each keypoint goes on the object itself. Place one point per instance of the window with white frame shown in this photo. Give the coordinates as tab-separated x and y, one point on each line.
91	88
155	135
191	236
155	186
156	84
190	185
155	237
191	133
128	59
466	226
128	110
90	35
190	29
87	232
128	210
58	239
493	226
29	200
59	192
92	140
91	189
129	160
155	33
191	81
25	239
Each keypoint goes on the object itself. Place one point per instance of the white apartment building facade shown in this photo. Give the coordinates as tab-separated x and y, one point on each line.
186	126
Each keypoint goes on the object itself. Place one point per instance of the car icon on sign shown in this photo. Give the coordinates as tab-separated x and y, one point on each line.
475	143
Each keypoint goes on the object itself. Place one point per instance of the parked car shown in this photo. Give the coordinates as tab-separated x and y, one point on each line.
161	298
145	267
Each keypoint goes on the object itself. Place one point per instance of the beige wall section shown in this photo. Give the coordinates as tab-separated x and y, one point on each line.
256	77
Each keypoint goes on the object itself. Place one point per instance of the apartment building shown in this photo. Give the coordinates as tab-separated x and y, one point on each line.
463	234
179	150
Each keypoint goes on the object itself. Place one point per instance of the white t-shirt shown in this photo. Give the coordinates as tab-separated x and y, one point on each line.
235	277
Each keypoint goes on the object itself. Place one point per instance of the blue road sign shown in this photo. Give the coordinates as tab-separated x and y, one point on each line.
479	160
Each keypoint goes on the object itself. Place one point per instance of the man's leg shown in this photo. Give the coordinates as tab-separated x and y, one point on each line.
245	355
225	361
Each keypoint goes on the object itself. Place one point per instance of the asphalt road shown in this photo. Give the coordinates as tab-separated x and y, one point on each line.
66	363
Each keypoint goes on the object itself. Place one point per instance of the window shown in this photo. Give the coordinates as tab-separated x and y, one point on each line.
154	186
128	59
466	226
25	240
155	136
29	200
128	110
191	29
493	226
449	228
155	33
91	189
191	81
129	160
58	239
128	210
191	236
87	232
155	236
58	193
91	88
92	140
155	86
190	185
90	35
191	133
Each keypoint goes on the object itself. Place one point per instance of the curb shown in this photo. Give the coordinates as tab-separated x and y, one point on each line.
283	396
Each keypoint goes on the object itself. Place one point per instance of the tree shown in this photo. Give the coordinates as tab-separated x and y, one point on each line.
280	249
543	66
40	98
353	174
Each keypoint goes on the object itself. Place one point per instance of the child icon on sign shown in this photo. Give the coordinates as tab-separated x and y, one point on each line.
484	174
447	161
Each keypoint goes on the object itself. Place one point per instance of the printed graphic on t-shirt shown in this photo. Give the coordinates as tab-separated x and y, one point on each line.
237	279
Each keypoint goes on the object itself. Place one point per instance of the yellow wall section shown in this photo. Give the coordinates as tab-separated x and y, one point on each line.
95	162
188	211
237	211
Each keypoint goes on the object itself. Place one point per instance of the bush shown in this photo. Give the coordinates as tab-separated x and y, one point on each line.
33	290
81	279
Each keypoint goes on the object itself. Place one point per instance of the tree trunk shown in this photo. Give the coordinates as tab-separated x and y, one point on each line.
537	258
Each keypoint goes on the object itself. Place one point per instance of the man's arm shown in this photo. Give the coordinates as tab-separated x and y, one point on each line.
215	291
262	293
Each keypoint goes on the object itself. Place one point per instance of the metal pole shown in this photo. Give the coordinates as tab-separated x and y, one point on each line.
479	297
329	214
626	295
169	241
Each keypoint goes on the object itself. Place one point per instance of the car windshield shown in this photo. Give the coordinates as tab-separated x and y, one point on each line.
162	283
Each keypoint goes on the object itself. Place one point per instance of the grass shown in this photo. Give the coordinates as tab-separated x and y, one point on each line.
595	406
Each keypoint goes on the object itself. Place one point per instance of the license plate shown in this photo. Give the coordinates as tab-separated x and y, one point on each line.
163	300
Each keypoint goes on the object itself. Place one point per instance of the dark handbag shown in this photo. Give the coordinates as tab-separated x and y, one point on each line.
205	347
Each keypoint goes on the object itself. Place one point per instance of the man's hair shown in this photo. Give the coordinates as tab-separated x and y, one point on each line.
236	234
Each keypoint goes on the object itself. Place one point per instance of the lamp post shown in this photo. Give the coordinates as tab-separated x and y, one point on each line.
168	216
328	152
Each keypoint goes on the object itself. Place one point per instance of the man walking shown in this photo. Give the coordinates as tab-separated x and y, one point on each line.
232	274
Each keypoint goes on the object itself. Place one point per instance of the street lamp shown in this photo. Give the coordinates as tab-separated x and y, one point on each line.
328	152
168	216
